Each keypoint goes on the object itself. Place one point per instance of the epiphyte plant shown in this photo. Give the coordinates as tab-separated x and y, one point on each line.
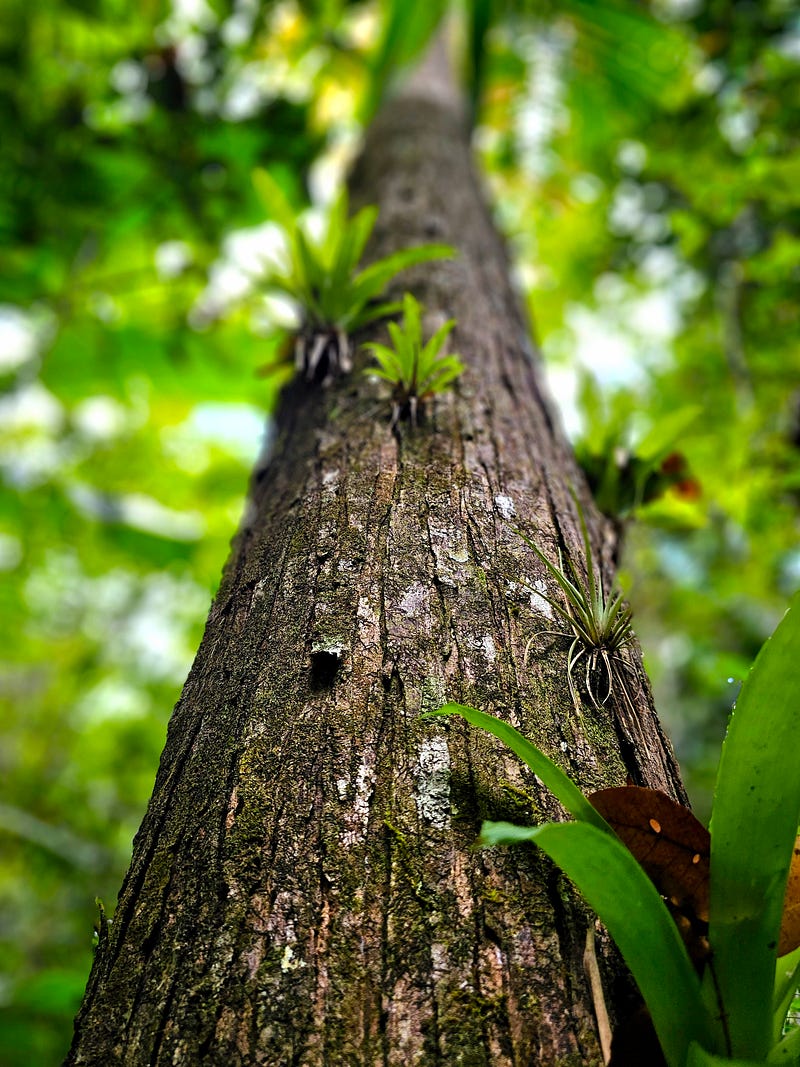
729	1004
415	369
600	623
635	472
333	296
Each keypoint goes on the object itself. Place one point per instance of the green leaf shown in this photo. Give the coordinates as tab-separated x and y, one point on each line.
309	260
274	199
433	347
335	235
320	277
788	1050
351	248
388	364
596	621
552	776
480	16
371	281
664	435
787	981
446	371
296	280
408	28
400	338
629	905
412	325
574	594
698	1057
354	320
753	829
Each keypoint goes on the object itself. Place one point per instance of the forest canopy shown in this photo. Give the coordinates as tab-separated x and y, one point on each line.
642	161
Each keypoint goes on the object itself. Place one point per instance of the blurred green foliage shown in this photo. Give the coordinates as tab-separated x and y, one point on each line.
644	164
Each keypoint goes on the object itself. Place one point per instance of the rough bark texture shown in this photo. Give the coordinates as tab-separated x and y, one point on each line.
303	888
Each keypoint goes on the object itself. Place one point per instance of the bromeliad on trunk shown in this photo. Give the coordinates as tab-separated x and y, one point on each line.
334	297
415	370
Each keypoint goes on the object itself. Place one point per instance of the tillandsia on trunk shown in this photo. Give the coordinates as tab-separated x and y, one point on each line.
601	623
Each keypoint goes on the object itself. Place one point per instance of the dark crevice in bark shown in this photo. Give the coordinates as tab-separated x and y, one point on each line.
324	668
162	1025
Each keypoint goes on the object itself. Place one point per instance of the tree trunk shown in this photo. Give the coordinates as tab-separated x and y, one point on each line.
304	888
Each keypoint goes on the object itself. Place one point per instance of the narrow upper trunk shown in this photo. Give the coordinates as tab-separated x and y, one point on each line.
303	888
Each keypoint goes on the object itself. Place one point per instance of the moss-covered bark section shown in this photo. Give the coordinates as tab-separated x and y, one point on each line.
303	888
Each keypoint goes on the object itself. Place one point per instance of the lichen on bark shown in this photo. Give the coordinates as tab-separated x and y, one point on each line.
304	888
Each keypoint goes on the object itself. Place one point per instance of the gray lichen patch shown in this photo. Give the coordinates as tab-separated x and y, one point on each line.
483	645
538	598
414	601
362	786
449	548
505	506
432	783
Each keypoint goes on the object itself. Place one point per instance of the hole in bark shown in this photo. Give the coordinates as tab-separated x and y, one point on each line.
324	668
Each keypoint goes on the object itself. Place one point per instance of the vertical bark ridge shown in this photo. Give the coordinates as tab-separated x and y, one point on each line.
303	888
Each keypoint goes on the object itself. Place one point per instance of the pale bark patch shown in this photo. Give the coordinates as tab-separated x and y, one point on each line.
433	782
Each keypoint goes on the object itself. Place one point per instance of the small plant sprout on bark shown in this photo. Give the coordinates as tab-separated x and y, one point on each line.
334	298
415	370
600	624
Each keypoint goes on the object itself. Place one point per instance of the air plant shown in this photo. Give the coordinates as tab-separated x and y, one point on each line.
334	297
416	370
600	623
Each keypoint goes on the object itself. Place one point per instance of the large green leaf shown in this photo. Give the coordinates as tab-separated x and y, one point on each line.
542	766
753	829
788	1051
698	1057
629	905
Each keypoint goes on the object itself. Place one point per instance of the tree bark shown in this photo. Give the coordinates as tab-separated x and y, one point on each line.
304	888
